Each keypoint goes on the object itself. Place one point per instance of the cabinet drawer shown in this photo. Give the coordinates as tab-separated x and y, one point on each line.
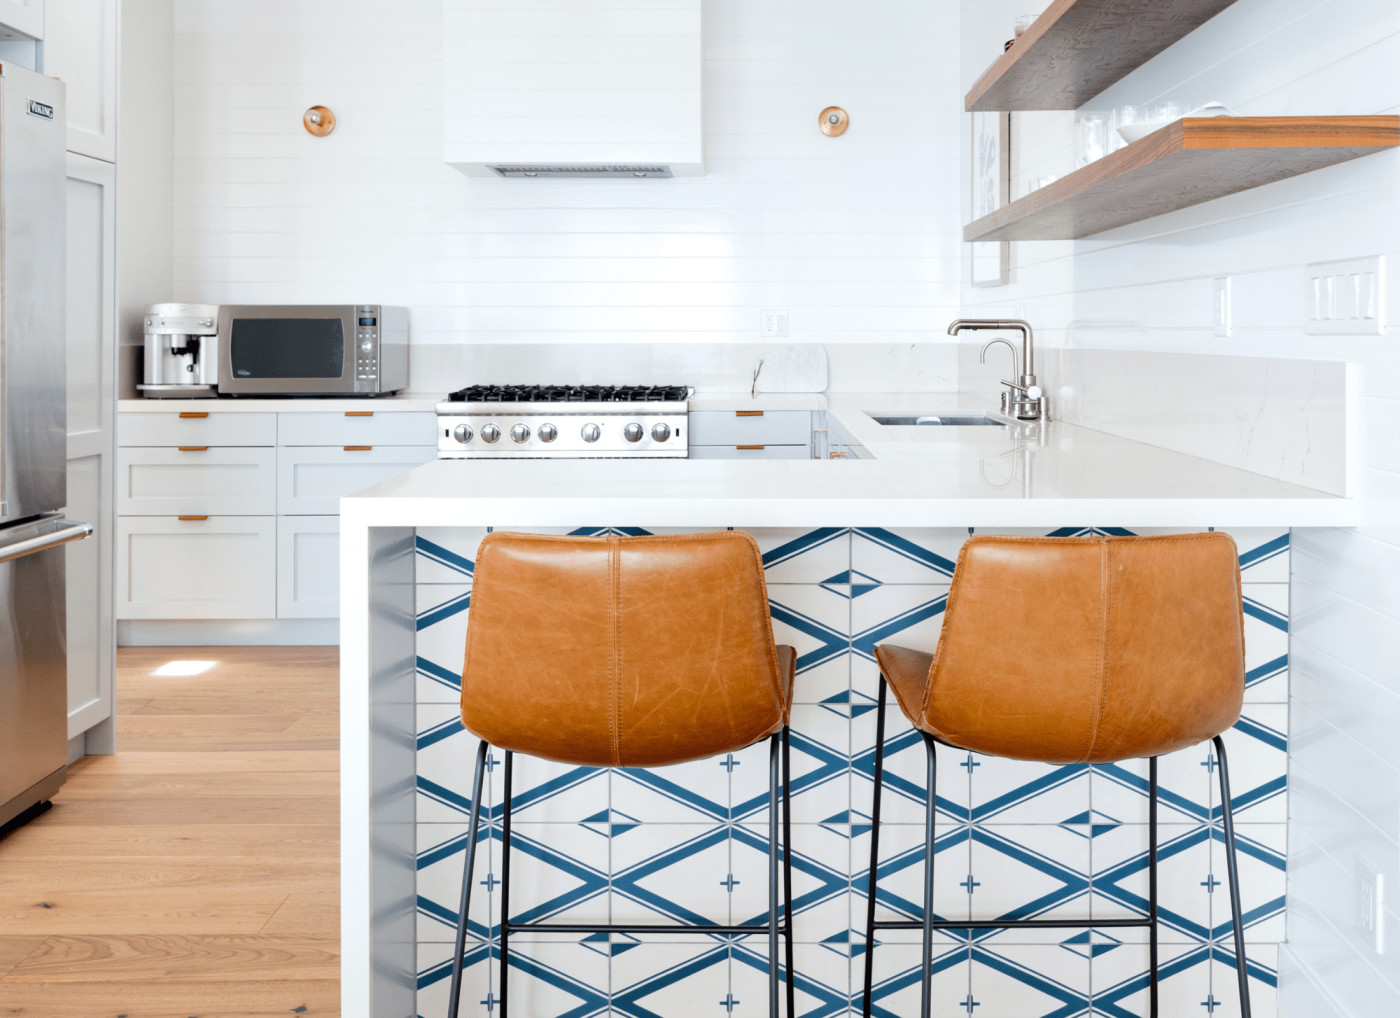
196	480
198	427
358	427
308	567
739	452
312	480
219	567
743	427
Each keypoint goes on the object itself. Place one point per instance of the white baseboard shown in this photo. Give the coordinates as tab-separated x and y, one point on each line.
229	633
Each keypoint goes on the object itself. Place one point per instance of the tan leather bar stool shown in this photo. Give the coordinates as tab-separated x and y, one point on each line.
1074	650
654	650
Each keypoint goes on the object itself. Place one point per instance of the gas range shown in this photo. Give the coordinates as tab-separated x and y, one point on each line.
564	422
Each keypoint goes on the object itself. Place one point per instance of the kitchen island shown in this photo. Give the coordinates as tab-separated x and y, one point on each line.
858	550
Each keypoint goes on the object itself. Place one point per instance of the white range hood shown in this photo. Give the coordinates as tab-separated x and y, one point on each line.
587	88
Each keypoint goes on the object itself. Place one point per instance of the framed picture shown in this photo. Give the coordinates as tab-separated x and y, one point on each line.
991	189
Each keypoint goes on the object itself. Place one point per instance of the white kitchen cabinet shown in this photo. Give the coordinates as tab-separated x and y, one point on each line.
80	49
91	357
197	480
357	427
749	452
216	567
308	567
196	427
22	17
750	427
311	480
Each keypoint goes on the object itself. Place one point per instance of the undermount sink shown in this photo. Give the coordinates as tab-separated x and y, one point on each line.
953	419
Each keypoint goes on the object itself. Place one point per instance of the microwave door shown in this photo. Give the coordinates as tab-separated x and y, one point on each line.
288	355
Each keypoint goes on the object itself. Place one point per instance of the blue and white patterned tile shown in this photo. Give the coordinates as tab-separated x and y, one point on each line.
816	621
446	755
557	875
821	769
697	791
441	857
1266	642
905	555
1028	871
1257	749
1006	791
1263	882
823	897
823	981
793	555
1264	554
906	615
672	873
446	554
549	977
1185	781
1119	979
896	980
479	999
1185	880
544	791
651	978
1263	979
441	642
1028	981
905	773
899	891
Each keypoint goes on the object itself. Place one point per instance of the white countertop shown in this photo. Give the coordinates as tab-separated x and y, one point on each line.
1048	475
269	405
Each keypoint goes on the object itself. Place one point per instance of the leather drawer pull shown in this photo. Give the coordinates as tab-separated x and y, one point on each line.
190	415
196	518
748	413
748	447
359	413
194	448
358	448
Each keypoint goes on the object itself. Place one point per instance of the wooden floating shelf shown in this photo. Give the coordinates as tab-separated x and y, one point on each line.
1077	48
1185	163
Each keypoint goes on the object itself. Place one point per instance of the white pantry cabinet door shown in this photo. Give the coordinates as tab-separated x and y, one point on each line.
91	357
311	480
215	567
80	49
25	17
308	567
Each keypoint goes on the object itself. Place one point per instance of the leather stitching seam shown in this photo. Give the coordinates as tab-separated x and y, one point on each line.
1101	665
615	708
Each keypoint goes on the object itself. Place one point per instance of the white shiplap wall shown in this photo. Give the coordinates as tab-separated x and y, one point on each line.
858	236
1149	287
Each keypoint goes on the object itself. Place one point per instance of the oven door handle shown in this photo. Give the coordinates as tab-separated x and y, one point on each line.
68	531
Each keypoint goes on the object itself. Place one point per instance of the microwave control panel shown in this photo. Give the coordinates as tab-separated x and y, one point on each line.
367	348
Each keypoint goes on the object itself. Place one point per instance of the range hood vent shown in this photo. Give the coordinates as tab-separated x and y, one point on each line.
582	171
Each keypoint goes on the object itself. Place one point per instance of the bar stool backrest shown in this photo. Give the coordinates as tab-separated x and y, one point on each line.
621	651
1088	650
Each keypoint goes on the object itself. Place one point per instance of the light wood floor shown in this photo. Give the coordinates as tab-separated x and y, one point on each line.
195	873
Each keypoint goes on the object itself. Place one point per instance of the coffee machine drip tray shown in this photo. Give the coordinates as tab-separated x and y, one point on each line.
176	391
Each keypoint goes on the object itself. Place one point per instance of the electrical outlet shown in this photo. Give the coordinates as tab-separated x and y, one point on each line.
773	324
1222	306
1346	298
1370	904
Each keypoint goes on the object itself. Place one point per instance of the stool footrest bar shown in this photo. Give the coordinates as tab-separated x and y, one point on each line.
632	928
1003	924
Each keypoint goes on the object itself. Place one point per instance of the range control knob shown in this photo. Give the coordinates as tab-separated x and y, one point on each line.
462	433
490	433
660	432
367	346
591	432
633	432
520	433
546	433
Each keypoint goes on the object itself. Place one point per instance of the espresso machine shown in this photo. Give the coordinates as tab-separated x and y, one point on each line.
182	351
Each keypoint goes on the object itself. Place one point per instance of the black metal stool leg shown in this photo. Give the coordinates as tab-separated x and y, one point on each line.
473	822
926	960
868	997
787	873
1153	972
1232	868
505	885
774	751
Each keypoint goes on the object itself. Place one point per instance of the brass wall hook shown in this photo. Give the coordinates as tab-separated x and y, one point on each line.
833	121
318	120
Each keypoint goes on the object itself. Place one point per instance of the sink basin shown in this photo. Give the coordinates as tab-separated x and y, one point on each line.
953	419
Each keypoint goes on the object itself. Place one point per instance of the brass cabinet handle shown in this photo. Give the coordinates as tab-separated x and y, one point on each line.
358	448
194	448
192	517
748	413
748	447
189	415
359	413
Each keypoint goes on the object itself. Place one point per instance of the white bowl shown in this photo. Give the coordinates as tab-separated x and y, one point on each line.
1136	132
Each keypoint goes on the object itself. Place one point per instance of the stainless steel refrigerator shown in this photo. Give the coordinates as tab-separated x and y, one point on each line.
33	443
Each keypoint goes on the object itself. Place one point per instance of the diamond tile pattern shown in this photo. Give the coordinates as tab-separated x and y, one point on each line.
688	843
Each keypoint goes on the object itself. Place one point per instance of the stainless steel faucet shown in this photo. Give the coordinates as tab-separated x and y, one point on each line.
1023	398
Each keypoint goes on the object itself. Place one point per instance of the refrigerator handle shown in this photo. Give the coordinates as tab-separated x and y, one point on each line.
68	531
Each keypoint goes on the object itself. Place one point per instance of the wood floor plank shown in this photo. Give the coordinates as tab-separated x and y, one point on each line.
195	873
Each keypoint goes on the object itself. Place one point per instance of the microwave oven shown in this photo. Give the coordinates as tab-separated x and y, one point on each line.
312	349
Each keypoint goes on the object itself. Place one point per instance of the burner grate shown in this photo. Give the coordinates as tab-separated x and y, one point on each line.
571	394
